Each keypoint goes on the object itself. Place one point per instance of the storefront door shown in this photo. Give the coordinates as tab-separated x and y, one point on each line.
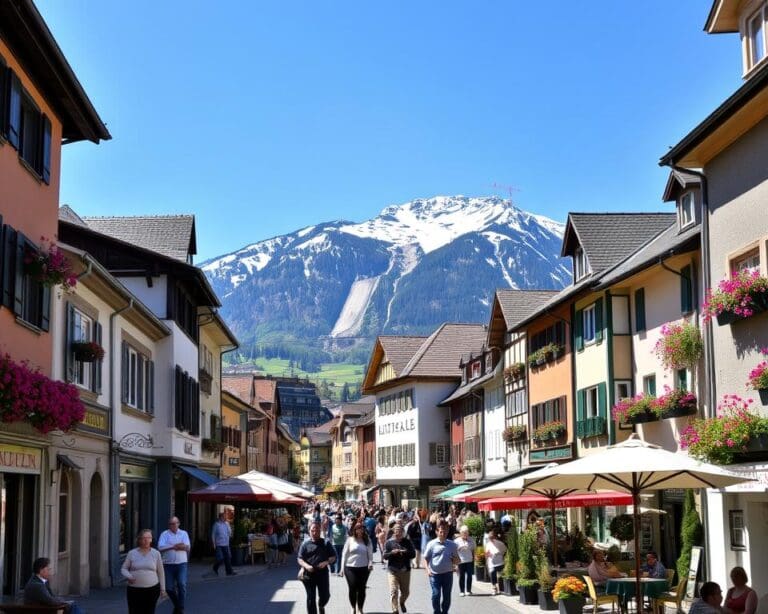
18	517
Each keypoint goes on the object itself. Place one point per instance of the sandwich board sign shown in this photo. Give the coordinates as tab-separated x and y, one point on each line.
693	570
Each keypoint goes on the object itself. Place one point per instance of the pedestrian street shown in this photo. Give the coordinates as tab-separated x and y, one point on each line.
278	591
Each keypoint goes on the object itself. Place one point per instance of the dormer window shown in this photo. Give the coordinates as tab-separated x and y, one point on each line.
686	212
475	369
756	36
488	362
580	264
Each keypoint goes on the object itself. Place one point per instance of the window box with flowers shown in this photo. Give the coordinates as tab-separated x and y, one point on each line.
514	372
737	298
87	351
213	445
545	354
758	378
680	345
675	404
48	266
515	432
635	410
548	431
736	434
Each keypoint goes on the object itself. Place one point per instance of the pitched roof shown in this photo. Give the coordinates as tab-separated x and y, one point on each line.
678	182
440	354
399	350
609	238
518	304
240	386
170	235
68	214
265	390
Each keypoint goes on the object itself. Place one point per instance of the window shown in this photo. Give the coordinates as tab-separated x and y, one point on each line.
682	379
640	310
687	301
516	403
29	300
475	366
138	378
592	407
347	458
622	389
81	326
580	264
182	310
64	512
750	261
551	334
187	403
553	410
489	362
439	454
649	385
26	128
588	324
756	36
686	210
737	529
592	402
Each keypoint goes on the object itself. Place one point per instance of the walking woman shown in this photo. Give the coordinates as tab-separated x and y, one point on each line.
143	568
466	547
495	549
381	535
356	565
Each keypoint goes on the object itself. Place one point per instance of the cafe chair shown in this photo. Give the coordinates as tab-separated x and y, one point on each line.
658	604
598	600
670	577
258	548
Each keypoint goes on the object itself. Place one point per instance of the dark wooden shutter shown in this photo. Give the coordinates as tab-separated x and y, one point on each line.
13	126
578	327
18	281
602	400
178	397
3	99
433	454
98	365
2	228
125	372
69	357
150	387
9	252
599	320
686	290
196	415
45	149
563	410
640	310
140	372
45	307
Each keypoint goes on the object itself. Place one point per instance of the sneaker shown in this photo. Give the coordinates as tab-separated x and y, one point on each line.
495	591
462	594
402	608
469	592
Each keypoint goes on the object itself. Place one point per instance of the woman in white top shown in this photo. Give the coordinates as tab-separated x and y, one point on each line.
356	565
495	549
466	547
143	568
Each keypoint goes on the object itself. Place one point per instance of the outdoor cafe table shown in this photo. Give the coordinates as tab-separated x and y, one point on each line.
625	587
570	571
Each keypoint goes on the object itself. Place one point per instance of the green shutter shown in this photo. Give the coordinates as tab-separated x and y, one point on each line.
69	355
602	400
578	325
599	321
96	365
581	403
686	290
640	310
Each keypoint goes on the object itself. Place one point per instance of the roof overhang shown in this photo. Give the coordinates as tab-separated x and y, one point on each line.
724	126
723	17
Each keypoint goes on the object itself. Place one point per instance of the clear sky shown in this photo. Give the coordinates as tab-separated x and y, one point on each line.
263	117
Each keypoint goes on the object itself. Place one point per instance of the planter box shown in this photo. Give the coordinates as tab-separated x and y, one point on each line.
642	418
755	450
728	317
481	573
529	595
509	587
679	411
573	605
763	392
546	602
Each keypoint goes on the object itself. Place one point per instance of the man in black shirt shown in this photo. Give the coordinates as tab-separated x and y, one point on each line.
314	557
399	552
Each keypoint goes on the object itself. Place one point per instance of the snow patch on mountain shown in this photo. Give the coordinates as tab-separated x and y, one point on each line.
351	317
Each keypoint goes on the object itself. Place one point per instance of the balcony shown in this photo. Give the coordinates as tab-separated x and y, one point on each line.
591	427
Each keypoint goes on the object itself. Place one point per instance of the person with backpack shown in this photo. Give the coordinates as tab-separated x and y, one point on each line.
413	532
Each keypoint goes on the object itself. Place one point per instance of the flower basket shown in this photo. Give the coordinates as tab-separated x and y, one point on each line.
634	410
569	593
87	351
213	445
674	404
514	372
529	593
680	345
546	601
549	431
513	433
49	266
740	297
758	378
763	392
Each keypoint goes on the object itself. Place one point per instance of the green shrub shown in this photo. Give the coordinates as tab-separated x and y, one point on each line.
476	526
510	558
691	533
527	551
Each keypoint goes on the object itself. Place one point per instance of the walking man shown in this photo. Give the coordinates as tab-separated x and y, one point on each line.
174	546
338	539
315	555
441	557
398	553
220	535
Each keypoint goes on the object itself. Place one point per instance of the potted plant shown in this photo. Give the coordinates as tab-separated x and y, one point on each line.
674	404
49	266
240	540
514	372
622	527
758	378
679	346
508	574
537	358
691	534
481	571
87	351
737	298
634	410
513	432
543	575
527	550
552	350
569	593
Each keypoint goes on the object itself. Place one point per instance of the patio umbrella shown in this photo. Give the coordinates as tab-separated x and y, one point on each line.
235	490
633	466
525	502
269	481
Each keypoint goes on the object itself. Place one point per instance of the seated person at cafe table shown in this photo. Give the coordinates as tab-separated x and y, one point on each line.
710	597
600	570
653	567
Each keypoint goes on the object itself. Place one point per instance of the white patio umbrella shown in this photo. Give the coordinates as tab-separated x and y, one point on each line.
633	466
271	482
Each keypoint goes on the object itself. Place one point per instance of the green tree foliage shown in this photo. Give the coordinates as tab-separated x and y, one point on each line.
692	534
510	558
476	526
527	551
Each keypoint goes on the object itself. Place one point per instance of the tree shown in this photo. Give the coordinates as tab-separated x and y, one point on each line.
691	532
345	393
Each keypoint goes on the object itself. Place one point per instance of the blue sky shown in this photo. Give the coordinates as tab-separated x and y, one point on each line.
263	117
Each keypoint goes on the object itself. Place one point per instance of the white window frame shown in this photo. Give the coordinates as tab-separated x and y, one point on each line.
588	325
687	210
622	389
591	402
83	326
580	264
760	15
647	379
748	260
475	369
133	382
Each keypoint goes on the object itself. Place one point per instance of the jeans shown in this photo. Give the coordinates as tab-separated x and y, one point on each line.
356	578
176	584
336	567
223	556
399	582
318	590
466	570
441	583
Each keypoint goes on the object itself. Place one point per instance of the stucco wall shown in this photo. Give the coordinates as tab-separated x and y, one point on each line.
494	447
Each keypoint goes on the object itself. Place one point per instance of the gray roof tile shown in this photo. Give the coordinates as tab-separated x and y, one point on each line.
440	354
399	350
519	304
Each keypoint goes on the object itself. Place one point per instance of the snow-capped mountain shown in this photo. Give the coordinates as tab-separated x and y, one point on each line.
407	270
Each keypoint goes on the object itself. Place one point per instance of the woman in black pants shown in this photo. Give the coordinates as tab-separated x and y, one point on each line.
356	565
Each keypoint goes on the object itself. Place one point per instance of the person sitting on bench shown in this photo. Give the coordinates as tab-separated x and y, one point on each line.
38	589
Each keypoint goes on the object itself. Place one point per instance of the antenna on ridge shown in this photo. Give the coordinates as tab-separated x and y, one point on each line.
507	188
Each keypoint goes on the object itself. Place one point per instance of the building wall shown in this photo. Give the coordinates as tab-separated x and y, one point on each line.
232	462
495	449
155	298
457	440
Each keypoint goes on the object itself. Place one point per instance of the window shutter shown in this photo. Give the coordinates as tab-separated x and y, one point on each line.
140	371
3	107
2	233
599	320
18	285
640	310
178	397
581	403
196	407
686	290
45	149
562	409
98	365
432	453
13	129
578	335
125	370
45	308
9	249
602	400
150	387
69	357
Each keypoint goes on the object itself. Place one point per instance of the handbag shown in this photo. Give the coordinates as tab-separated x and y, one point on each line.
302	577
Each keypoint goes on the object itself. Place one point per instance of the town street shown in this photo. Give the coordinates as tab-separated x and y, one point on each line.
277	591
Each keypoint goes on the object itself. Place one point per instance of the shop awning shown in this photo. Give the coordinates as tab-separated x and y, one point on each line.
62	460
525	502
197	473
454	490
364	493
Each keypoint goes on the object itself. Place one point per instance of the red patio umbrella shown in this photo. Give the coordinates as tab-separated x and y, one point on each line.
235	490
537	501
